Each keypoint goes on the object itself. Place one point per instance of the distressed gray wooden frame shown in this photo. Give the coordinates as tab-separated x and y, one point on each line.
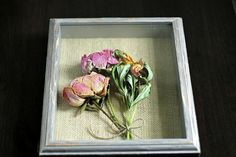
48	146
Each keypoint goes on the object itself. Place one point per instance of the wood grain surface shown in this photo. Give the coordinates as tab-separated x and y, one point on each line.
210	30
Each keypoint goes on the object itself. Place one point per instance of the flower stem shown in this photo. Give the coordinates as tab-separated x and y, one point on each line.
131	115
112	110
118	125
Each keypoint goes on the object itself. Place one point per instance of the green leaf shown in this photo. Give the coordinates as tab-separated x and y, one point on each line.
143	94
119	72
118	53
114	75
124	71
82	108
119	69
150	73
125	90
132	82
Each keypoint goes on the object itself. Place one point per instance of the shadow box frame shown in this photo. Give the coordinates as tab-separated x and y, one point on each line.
48	144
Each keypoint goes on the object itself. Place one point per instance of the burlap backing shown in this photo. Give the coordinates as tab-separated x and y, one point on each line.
161	111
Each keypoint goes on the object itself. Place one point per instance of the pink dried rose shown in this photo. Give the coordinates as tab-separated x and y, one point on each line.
99	60
86	87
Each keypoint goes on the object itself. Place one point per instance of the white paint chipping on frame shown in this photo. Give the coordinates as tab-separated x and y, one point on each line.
48	146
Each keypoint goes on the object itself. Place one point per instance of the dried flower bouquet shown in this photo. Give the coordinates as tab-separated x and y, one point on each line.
102	71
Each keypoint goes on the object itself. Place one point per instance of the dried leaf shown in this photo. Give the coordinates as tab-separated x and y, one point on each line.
83	107
122	75
149	72
143	94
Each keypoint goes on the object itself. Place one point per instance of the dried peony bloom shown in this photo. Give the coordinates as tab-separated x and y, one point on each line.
99	60
86	87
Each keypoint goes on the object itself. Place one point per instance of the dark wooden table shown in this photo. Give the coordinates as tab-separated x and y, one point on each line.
210	30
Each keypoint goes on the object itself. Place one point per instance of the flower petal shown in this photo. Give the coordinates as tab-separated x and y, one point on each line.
99	60
86	64
107	52
127	59
93	73
72	98
104	91
87	80
136	68
76	80
82	90
112	60
110	56
97	83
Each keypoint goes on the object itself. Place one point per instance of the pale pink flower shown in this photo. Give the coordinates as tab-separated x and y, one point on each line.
86	87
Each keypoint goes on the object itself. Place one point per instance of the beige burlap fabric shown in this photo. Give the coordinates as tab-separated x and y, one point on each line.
161	111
